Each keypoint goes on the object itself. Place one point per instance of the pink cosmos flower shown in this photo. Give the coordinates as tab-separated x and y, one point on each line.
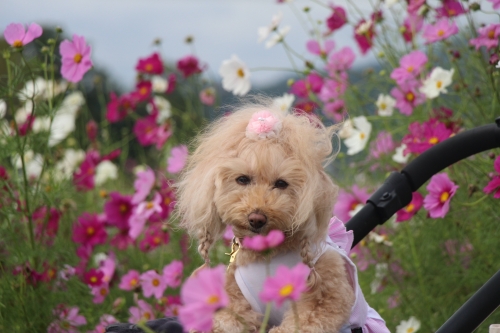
154	236
75	58
99	292
152	283
189	65
263	124
150	65
16	36
450	8
341	60
410	67
172	83
83	177
441	190
202	295
412	24
177	159
147	208
172	306
314	47
172	273
104	321
495	3
425	135
411	209
91	129
107	267
118	209
89	231
143	184
488	36
167	203
143	90
119	108
312	83
122	240
337	19
46	223
348	202
143	311
207	96
441	30
494	184
130	280
67	320
262	243
332	89
414	6
335	110
146	130
407	97
364	38
383	144
286	284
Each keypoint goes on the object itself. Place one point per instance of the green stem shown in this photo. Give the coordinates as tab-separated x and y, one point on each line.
416	260
267	314
296	316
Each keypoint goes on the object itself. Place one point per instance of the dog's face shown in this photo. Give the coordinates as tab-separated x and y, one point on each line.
260	189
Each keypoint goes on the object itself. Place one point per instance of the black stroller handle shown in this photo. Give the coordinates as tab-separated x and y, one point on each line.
396	193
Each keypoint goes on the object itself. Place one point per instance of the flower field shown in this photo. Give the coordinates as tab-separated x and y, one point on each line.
89	234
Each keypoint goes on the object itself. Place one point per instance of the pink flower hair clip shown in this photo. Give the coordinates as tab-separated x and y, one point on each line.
263	125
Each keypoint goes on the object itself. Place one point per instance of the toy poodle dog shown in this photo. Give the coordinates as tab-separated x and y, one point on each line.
259	169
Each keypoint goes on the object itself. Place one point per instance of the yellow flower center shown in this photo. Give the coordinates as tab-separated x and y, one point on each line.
146	315
103	194
286	290
491	34
433	140
362	135
410	96
93	279
410	208
103	291
149	68
213	299
439	84
167	201
444	196
143	91
440	32
77	58
410	69
123	208
155	282
90	231
240	72
149	205
17	43
133	282
383	106
156	240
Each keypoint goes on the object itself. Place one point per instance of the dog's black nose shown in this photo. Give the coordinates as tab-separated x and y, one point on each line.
257	220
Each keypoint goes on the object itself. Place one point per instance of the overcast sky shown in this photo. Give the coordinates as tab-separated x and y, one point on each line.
121	31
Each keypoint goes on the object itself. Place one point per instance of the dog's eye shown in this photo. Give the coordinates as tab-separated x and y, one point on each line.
243	180
281	184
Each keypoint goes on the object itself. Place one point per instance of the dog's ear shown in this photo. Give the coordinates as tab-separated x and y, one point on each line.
195	206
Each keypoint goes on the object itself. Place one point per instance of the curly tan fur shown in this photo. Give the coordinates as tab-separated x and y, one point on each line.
209	198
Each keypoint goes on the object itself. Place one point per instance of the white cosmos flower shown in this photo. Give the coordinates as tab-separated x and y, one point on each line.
64	120
22	113
71	159
3	108
264	32
164	109
346	130
437	82
159	84
364	27
408	326
278	37
41	124
356	210
390	3
385	105
381	270
284	103
398	157
235	76
33	163
360	134
104	171
32	89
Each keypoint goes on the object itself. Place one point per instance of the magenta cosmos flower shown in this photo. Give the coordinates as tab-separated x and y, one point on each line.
424	136
202	295
189	65
130	280
153	283
262	243
383	144
412	24
441	190
150	65
411	209
143	311
75	58
172	273
364	32
89	231
286	284
410	67
441	30
177	159
154	236
488	36
495	3
348	202
312	83
450	8
119	107
494	184
16	36
337	19
118	209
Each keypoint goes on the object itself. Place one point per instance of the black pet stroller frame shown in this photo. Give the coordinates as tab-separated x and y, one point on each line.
394	194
